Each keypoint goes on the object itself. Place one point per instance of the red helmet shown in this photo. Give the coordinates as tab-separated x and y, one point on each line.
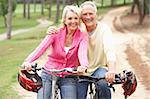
129	84
30	82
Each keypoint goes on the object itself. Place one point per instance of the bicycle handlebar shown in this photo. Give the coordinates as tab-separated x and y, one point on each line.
82	78
85	78
34	68
69	70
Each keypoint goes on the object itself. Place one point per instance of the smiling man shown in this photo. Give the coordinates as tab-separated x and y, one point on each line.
101	54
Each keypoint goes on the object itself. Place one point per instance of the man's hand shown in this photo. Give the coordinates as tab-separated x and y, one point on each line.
110	77
51	30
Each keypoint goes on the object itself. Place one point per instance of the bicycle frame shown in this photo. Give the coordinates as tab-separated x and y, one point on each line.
81	78
94	80
119	79
53	72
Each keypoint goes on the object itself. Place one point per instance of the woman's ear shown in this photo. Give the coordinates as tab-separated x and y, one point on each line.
64	22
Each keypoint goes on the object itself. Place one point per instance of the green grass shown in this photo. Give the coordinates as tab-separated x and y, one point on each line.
13	52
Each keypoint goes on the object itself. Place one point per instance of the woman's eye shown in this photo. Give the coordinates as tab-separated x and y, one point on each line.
76	18
70	18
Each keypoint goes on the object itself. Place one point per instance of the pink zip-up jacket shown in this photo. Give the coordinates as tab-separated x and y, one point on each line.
58	59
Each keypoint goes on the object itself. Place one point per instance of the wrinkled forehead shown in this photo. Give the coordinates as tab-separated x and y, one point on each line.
89	6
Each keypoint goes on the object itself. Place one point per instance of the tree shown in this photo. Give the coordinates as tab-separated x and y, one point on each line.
112	2
50	6
24	8
70	2
42	6
143	7
28	1
9	19
34	2
4	9
58	10
64	3
124	2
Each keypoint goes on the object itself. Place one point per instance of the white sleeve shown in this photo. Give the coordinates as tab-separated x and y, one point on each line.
109	47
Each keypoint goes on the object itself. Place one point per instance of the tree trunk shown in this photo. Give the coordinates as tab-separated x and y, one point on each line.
102	3
112	3
124	2
141	11
5	21
50	6
133	7
64	3
24	8
9	19
147	6
58	10
140	7
42	7
29	9
34	2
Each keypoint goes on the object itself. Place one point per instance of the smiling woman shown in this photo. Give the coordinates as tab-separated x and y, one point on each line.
68	50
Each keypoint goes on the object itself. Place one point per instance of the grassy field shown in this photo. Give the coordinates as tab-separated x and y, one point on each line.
13	52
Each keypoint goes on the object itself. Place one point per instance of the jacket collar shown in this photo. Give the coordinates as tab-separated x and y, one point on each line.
76	37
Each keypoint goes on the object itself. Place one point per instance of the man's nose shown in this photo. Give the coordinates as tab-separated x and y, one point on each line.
87	16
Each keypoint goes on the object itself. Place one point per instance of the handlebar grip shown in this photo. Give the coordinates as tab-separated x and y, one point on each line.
34	67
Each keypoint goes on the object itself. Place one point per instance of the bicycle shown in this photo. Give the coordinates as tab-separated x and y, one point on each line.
126	78
55	89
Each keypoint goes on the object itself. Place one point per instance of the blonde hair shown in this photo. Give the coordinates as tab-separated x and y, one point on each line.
71	8
89	3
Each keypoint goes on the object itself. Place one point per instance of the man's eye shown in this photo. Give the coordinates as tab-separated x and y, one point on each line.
90	13
85	14
76	18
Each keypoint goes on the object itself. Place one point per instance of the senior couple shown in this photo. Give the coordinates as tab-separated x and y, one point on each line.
87	46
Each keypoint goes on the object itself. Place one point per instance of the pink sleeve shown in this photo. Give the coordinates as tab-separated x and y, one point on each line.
82	52
46	42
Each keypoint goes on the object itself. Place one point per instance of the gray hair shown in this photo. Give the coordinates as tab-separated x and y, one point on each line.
89	3
71	8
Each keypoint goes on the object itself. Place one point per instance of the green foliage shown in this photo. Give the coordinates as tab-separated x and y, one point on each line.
4	7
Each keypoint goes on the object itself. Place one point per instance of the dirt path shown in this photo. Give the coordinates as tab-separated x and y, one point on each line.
43	23
129	47
126	43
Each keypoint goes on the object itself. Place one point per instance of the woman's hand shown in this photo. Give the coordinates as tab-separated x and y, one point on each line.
81	69
27	66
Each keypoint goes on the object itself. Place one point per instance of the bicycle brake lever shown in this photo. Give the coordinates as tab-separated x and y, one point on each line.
70	70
